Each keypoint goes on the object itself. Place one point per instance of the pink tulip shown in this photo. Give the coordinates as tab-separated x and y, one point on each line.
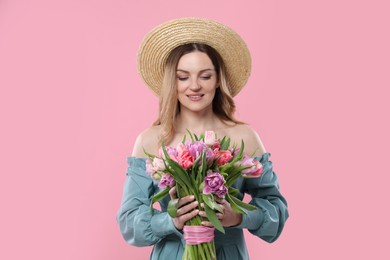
172	152
197	148
184	157
221	192
224	156
254	171
149	168
216	146
166	181
213	182
209	137
158	164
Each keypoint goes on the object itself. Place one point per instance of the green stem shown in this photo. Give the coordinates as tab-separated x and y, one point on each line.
201	252
213	252
193	256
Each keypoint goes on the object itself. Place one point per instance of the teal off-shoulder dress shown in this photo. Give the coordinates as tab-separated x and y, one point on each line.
140	228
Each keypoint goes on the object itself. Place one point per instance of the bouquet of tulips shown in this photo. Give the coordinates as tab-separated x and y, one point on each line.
205	167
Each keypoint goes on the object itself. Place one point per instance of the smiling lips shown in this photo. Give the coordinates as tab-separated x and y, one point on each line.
195	97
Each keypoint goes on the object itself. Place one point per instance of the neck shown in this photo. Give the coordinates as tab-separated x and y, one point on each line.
196	122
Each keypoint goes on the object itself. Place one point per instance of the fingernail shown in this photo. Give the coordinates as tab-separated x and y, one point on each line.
192	197
196	203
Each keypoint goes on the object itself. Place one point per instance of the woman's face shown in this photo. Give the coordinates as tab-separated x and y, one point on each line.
196	81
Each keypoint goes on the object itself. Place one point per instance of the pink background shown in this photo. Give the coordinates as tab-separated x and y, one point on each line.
71	105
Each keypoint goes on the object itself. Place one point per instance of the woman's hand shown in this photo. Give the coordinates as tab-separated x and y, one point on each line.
228	218
186	209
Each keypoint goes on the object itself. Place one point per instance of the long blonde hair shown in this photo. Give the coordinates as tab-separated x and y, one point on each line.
223	103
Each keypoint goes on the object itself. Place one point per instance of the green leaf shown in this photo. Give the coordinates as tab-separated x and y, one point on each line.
184	139
213	218
151	156
235	174
242	204
209	200
237	208
201	187
202	168
179	174
181	191
222	140
254	152
178	180
193	172
195	166
159	196
204	163
240	155
192	137
233	191
232	178
172	207
234	205
225	144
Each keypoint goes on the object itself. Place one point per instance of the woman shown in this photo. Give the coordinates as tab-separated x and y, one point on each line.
196	66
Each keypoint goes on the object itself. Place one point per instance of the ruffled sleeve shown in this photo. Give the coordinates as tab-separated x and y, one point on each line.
268	220
137	225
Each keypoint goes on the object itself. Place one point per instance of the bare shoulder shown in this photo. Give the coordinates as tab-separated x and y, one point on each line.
148	140
252	141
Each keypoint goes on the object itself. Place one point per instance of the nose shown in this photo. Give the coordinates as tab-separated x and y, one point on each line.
195	86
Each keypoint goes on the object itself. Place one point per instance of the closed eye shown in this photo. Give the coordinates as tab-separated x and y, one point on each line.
182	78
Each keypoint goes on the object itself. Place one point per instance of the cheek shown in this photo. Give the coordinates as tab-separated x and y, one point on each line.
180	89
211	91
211	86
181	86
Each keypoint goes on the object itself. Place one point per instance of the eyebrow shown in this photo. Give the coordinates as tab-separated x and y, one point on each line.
199	71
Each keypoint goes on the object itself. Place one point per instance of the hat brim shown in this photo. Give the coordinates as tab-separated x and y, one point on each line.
158	44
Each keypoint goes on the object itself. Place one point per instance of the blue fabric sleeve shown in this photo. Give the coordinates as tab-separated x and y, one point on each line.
268	220
137	225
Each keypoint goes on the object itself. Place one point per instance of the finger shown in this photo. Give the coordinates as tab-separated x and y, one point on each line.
187	208
186	200
222	201
202	214
172	193
219	215
206	223
217	199
184	218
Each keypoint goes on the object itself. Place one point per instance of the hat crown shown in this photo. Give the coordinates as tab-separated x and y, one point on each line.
160	41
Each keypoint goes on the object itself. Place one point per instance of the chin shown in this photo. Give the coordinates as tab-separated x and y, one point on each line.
195	107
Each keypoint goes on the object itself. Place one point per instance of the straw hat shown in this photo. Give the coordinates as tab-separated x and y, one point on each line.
158	44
